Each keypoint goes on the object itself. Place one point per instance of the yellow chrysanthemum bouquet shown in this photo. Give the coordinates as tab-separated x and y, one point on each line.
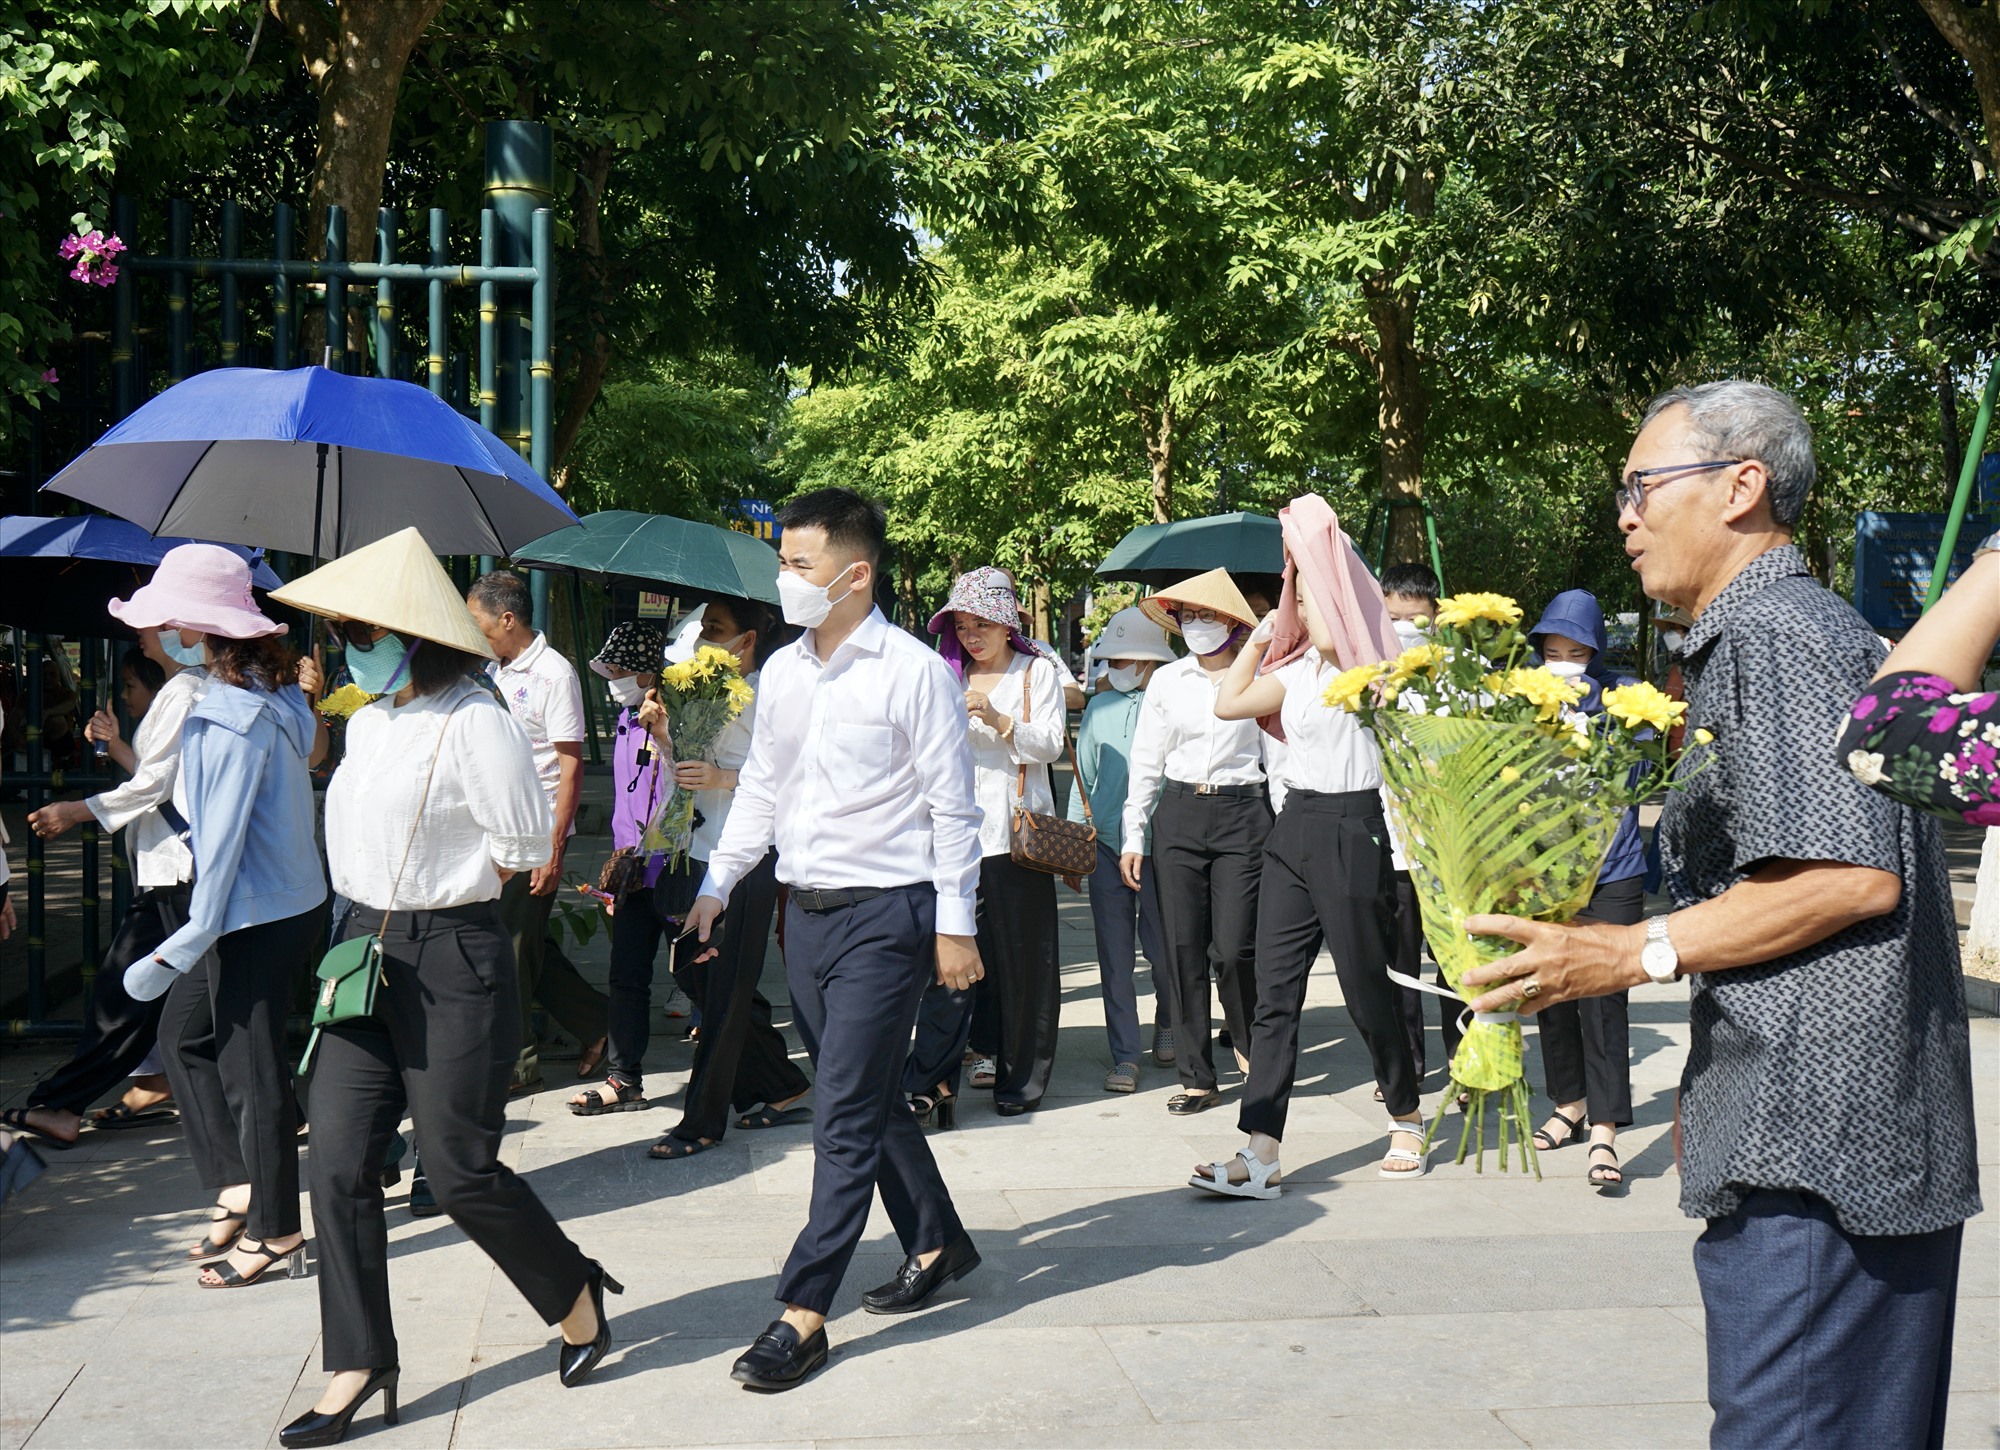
702	695
1505	797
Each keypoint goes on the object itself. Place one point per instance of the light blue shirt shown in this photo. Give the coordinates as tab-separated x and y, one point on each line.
250	814
1104	762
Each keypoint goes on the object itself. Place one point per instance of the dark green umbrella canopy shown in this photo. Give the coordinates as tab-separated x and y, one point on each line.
657	551
1162	554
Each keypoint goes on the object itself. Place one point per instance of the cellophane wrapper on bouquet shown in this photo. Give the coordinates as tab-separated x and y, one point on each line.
1506	797
1493	818
702	696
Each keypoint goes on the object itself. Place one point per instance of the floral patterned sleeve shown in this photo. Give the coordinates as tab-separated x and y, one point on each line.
1918	739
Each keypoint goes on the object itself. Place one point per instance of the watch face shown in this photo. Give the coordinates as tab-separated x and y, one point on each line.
1659	960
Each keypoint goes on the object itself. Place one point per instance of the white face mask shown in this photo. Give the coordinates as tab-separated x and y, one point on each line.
182	654
626	692
1206	636
805	603
1672	639
1564	669
1125	678
1409	632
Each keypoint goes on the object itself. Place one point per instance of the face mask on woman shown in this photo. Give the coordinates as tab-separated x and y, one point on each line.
182	654
1125	678
1409	633
626	692
1206	636
377	667
1564	669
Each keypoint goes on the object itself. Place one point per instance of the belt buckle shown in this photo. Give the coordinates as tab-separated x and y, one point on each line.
1205	788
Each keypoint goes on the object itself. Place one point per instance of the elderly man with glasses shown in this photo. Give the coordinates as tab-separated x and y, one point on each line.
1826	1123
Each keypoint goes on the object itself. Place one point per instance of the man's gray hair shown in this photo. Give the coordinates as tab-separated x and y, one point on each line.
1737	418
502	592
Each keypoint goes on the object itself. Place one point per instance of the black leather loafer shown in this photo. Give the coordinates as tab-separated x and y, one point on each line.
780	1359
913	1285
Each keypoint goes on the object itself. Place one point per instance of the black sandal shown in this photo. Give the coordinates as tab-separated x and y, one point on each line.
15	1120
1606	1175
124	1115
294	1260
1183	1105
935	1110
1548	1142
626	1097
766	1116
208	1248
669	1148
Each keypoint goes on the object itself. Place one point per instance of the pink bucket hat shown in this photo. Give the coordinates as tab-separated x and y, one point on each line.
197	586
984	592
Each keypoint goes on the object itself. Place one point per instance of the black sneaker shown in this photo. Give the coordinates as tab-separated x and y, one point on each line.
1163	1046
423	1203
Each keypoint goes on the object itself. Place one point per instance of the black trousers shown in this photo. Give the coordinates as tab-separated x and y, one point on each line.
740	1058
856	974
636	931
1208	853
441	1045
1587	1045
1016	928
1327	879
222	1036
1410	962
545	975
117	1031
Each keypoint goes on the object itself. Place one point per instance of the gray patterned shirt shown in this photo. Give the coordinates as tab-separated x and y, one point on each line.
1843	1070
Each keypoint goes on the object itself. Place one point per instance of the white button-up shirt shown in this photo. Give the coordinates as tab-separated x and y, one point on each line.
485	807
860	773
730	750
159	856
1325	750
542	693
1179	738
996	763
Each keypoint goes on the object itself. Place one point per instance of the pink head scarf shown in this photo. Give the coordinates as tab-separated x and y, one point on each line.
1349	599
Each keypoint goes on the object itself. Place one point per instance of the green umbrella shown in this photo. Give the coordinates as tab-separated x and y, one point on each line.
654	550
1161	554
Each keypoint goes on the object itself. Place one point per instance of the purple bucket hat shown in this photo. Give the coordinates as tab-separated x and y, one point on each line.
984	592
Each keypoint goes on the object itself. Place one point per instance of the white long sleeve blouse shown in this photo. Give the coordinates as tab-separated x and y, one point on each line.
1040	724
485	810
159	856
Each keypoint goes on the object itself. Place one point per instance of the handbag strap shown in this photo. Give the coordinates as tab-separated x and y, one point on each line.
1076	771
417	820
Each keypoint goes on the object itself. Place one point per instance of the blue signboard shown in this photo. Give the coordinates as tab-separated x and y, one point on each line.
755	516
1894	555
1986	492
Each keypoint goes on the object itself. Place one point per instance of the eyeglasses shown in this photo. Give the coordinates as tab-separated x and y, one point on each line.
1202	616
1631	492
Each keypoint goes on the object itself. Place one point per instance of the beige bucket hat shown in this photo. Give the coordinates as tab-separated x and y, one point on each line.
396	583
1213	590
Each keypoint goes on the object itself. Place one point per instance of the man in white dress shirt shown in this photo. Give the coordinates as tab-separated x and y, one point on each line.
860	773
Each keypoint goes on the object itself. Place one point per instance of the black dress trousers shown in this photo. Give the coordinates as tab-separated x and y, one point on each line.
222	1041
1587	1044
118	1032
442	1044
856	974
1208	853
1327	879
740	1058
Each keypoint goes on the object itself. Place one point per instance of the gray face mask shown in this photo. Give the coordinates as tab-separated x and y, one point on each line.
1672	640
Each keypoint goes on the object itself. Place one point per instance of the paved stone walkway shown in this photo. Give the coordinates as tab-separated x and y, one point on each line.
1115	1307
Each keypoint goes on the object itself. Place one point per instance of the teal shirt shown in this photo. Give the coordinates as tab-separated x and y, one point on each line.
1104	760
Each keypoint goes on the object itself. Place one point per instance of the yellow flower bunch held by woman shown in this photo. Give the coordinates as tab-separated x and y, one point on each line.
1507	798
702	694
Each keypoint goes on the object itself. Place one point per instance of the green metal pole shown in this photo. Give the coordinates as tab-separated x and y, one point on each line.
336	293
1437	554
489	341
124	367
232	301
180	221
385	298
283	354
1962	500
542	384
435	349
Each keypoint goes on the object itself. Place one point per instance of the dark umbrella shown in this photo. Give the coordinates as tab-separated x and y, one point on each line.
1162	554
650	550
60	572
314	462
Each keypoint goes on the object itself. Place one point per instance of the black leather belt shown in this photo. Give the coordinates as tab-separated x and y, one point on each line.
807	899
1182	787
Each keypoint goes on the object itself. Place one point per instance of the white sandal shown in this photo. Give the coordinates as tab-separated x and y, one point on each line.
1259	1186
1420	1157
984	1073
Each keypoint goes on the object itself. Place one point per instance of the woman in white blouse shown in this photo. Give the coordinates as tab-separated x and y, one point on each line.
1016	720
435	804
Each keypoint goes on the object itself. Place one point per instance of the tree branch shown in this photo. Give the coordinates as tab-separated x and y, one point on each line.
1954	127
310	25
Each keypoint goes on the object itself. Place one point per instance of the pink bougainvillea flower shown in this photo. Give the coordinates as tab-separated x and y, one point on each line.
50	376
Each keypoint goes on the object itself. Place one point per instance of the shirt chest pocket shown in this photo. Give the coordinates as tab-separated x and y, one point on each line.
857	757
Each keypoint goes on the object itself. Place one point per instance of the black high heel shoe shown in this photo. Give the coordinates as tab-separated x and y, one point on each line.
574	1362
314	1428
935	1112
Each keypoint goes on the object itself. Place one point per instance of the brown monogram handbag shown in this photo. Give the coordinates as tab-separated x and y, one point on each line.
1044	842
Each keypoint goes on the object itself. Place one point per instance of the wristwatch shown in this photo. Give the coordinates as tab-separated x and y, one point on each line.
1659	959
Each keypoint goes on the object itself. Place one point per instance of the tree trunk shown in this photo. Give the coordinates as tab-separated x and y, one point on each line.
1402	413
1973	30
1157	423
354	52
593	363
1954	457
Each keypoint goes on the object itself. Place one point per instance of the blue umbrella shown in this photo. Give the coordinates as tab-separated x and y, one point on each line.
313	462
60	572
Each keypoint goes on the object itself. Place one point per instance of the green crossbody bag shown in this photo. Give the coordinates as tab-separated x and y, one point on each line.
350	973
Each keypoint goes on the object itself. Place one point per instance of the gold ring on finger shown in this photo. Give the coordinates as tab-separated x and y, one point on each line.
1530	989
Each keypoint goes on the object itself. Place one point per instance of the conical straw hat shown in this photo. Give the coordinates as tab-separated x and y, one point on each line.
1213	590
397	583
